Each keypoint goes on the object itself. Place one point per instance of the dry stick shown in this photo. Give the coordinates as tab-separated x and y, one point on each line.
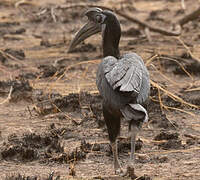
53	15
23	2
166	77
192	89
145	24
126	16
84	62
11	57
9	96
174	151
147	33
178	109
168	107
182	67
192	136
171	59
193	15
188	49
29	111
173	96
151	59
67	68
162	106
183	4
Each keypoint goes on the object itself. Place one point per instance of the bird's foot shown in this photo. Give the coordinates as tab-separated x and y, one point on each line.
118	168
130	171
119	171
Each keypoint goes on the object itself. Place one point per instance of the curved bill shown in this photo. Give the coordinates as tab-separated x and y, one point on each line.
86	31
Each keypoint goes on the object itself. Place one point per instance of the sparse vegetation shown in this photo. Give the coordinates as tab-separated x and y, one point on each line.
51	123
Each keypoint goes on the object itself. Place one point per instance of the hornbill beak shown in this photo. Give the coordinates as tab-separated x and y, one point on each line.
86	31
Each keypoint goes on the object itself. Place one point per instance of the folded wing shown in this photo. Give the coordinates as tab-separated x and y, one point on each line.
125	74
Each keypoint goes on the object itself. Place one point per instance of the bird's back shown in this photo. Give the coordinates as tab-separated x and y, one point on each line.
123	81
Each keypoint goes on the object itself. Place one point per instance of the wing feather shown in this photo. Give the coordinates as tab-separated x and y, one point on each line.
124	74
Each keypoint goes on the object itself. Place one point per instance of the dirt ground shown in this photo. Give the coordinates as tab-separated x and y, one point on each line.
51	124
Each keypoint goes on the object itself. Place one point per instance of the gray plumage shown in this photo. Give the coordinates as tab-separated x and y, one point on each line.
123	81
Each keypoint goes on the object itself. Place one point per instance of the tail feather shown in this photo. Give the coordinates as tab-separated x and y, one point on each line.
135	113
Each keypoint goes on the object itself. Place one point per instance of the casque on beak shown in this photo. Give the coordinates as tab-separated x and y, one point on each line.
86	31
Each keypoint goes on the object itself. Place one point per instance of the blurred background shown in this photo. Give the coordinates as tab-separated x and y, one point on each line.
50	105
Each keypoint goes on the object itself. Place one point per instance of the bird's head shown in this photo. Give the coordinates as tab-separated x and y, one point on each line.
98	21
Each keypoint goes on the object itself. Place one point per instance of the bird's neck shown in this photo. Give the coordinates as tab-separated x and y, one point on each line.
111	42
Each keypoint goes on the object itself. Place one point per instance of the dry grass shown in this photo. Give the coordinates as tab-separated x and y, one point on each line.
75	82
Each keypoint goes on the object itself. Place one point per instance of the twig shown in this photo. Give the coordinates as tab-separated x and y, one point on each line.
11	57
193	15
147	33
173	96
51	175
95	61
145	24
126	16
181	66
188	49
191	136
183	4
23	2
43	11
178	109
53	14
166	77
9	96
174	151
29	111
192	89
151	59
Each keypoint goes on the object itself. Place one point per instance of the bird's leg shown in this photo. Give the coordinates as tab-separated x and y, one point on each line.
117	166
112	120
131	162
133	133
133	141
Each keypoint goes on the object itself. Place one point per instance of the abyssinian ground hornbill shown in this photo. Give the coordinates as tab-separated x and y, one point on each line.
123	81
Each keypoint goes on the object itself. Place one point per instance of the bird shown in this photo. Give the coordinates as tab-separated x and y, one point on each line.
122	80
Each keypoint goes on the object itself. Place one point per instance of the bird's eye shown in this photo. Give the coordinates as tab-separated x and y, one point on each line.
99	19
